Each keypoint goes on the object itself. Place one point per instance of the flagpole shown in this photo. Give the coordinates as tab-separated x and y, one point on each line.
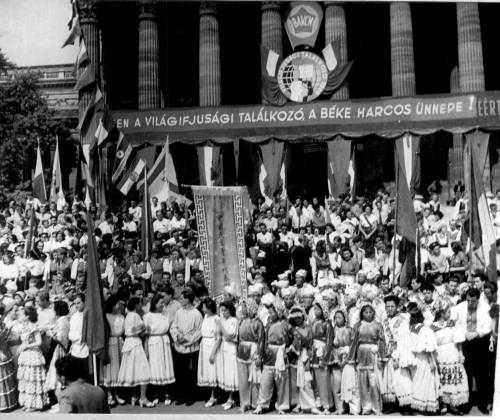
94	365
396	162
471	172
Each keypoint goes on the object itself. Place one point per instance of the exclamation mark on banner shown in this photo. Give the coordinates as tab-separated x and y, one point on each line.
471	103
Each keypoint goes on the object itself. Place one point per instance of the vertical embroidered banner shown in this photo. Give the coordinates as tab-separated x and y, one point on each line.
220	217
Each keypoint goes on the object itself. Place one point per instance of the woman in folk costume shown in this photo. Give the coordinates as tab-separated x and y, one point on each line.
226	364
349	266
344	387
321	330
158	345
8	384
453	378
299	359
322	260
134	367
59	333
251	335
397	383
209	346
368	226
31	364
367	352
109	371
425	374
274	370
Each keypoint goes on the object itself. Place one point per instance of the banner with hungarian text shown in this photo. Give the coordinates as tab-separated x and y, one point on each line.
387	117
220	216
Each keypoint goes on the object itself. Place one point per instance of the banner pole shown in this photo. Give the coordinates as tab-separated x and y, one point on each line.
396	162
471	172
94	365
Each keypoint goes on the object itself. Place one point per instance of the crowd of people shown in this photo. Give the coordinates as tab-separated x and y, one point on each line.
330	323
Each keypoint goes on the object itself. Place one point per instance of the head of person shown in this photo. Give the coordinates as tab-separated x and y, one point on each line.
43	299
490	291
227	309
209	307
186	298
452	285
428	292
112	305
339	318
385	285
416	316
168	294
367	313
179	278
30	314
318	312
296	317
472	297
443	314
80	302
391	305
134	304
61	308
416	283
68	369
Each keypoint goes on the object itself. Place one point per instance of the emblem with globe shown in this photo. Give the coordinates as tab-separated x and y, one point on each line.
302	76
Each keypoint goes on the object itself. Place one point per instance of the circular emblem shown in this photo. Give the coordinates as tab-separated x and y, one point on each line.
302	76
120	154
303	21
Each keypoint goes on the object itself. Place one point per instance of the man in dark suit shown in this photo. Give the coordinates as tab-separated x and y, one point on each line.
78	396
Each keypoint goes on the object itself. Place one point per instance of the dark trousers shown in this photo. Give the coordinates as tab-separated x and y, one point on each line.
83	368
476	355
186	374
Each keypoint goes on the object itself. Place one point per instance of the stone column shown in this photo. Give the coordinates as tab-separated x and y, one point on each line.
402	61
209	72
149	65
471	68
335	30
272	30
90	31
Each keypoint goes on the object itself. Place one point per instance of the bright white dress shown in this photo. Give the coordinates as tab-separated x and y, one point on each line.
453	378
109	372
134	368
160	354
207	373
226	364
60	331
425	374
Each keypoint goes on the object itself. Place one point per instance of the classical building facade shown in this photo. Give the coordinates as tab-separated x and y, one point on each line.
162	55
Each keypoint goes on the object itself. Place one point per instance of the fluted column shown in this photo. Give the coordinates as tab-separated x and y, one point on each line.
471	67
149	67
90	31
402	61
272	31
210	86
335	30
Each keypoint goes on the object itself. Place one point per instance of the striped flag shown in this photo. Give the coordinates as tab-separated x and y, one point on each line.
56	188
122	155
270	90
210	165
132	176
73	26
106	128
337	73
38	182
410	148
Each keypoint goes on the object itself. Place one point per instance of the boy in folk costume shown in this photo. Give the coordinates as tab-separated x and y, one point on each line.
274	371
396	381
251	336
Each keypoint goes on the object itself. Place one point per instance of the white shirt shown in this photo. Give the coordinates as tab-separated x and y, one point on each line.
78	349
162	226
136	213
130	227
106	228
178	223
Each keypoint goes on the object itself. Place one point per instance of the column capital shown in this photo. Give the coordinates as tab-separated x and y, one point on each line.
270	5
147	9
208	8
334	3
87	11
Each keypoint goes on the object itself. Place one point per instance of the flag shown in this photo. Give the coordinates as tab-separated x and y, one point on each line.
270	90
339	157
337	73
406	223
95	325
38	182
147	236
272	170
410	145
32	233
89	113
56	182
210	165
162	178
106	128
122	154
131	176
482	231
74	32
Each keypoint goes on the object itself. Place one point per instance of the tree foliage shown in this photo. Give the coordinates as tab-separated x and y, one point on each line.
5	64
24	118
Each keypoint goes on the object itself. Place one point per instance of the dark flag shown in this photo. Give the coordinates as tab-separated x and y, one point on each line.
38	179
95	325
147	236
